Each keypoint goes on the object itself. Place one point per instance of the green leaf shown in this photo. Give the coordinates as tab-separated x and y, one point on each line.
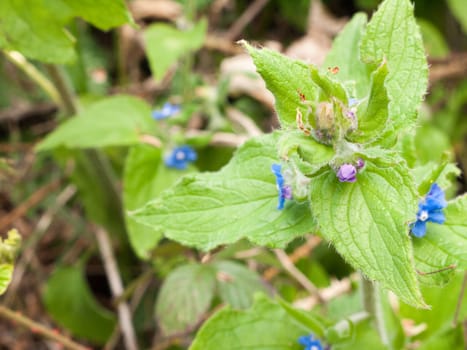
103	14
373	115
36	28
71	304
285	78
345	54
239	201
307	154
459	10
114	121
367	223
185	297
8	250
265	326
165	45
443	245
329	86
393	35
236	284
311	321
144	178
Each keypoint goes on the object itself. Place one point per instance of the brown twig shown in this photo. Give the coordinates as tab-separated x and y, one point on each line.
299	253
23	208
116	286
297	274
454	66
38	328
247	16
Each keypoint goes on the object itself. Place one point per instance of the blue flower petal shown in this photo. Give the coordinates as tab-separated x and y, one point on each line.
437	216
435	198
419	228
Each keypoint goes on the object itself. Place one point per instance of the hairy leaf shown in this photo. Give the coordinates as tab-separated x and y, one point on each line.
8	249
393	35
286	78
367	223
210	209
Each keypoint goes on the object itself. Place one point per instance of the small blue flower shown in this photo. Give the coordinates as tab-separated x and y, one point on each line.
430	209
309	343
180	157
166	111
285	191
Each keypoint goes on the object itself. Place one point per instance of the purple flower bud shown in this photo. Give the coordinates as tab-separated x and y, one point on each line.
347	173
360	163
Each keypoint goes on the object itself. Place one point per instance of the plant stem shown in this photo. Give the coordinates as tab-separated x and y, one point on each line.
372	304
67	99
32	72
40	329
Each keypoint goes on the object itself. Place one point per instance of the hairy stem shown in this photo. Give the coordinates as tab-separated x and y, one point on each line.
372	304
38	328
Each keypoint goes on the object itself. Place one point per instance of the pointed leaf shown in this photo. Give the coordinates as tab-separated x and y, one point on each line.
393	35
367	223
373	115
185	297
285	78
210	209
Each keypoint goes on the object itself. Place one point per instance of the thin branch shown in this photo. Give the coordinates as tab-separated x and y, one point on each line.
299	253
38	328
247	16
116	286
297	274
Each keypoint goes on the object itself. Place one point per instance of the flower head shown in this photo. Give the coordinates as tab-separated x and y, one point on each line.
166	111
180	157
285	191
310	343
347	173
430	209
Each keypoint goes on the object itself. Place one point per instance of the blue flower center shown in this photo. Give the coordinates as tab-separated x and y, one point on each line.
180	155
